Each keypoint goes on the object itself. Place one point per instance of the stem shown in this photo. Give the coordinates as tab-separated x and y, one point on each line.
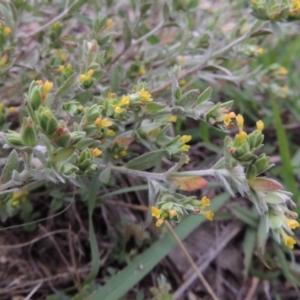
136	173
204	62
142	38
66	11
192	263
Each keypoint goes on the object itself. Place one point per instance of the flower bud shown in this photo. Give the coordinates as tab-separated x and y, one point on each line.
28	133
14	139
62	137
69	170
84	160
34	98
262	164
47	121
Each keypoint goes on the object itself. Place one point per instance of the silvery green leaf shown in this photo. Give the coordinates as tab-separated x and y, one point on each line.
11	165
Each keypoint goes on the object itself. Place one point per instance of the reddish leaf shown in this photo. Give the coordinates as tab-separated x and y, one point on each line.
264	184
189	183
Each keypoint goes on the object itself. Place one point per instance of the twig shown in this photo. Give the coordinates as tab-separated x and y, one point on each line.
129	205
66	11
193	265
203	64
35	239
253	287
33	291
227	235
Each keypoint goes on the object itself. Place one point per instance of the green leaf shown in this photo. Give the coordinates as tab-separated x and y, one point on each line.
66	85
105	175
244	215
126	34
76	5
91	194
284	149
63	154
146	160
154	107
284	265
189	99
11	165
84	97
115	79
121	283
275	28
204	96
144	8
262	237
249	245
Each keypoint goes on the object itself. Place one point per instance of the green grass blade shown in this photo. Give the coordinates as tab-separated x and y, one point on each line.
121	283
287	170
95	264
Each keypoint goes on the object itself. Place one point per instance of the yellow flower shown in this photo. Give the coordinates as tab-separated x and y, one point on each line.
289	241
118	110
16	195
7	30
172	119
293	224
141	71
282	71
103	122
39	82
185	139
240	122
123	153
110	133
106	123
47	86
63	57
11	110
95	152
173	213
125	100
15	203
145	95
159	222
182	82
55	25
228	117
181	60
205	201
3	60
209	215
1	104
90	73
61	68
242	136
260	51
83	77
155	212
69	67
109	24
260	125
185	148
111	95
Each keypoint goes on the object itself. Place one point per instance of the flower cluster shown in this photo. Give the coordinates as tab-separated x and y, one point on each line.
280	11
266	193
173	209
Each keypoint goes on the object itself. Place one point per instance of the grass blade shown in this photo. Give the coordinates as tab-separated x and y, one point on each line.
121	283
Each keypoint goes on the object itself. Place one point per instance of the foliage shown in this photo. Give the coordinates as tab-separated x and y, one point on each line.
103	102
